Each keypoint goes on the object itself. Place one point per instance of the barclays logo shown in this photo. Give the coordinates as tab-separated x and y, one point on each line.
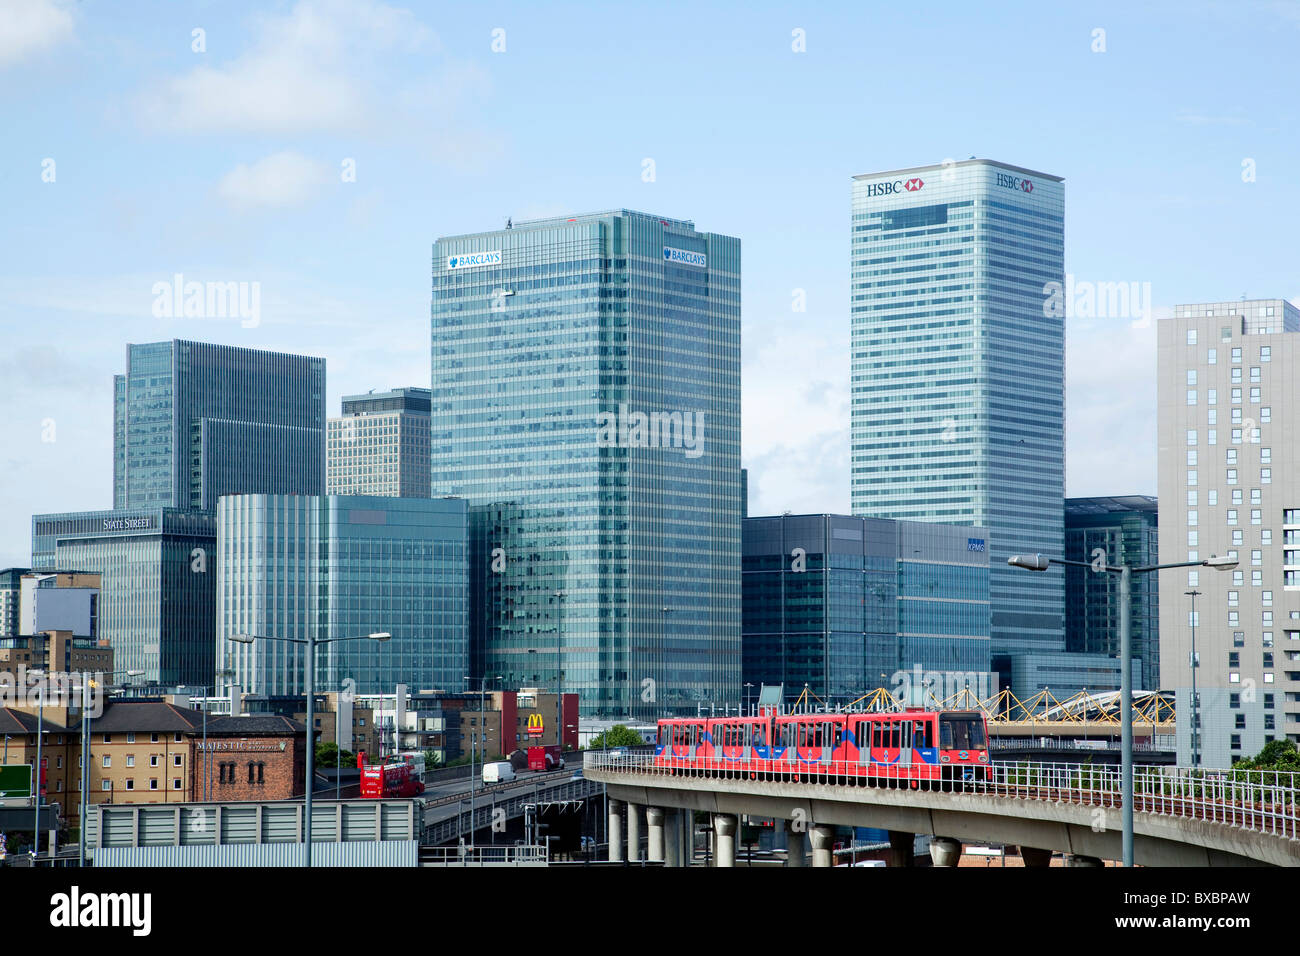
474	259
686	257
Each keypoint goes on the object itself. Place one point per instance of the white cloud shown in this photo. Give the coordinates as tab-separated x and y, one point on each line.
29	26
795	419
1110	406
281	179
305	72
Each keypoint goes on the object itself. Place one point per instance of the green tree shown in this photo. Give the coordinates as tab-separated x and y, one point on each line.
432	758
1276	755
620	735
329	755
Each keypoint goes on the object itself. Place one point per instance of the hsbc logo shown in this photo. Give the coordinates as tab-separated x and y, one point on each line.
1015	182
895	186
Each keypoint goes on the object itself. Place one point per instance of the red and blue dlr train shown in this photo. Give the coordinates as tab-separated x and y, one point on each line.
908	747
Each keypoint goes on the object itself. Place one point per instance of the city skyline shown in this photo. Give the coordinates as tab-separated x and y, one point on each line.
222	194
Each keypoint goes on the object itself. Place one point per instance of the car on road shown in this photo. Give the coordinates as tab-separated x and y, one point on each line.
577	775
618	753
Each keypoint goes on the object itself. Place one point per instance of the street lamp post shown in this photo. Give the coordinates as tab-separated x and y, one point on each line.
559	677
1039	562
311	641
1196	722
40	722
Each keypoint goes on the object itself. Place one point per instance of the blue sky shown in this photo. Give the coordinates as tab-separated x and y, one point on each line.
225	165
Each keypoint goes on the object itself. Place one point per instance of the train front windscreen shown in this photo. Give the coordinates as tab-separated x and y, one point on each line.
962	732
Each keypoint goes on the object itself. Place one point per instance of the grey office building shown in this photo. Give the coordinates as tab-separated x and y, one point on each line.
193	421
586	401
1119	530
158	584
380	445
842	605
1229	484
342	566
958	381
10	599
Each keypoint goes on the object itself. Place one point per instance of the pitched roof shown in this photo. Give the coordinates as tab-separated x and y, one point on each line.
150	715
20	722
253	725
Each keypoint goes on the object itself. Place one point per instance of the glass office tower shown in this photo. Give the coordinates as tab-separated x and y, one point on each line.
1126	530
158	584
343	566
958	370
843	605
193	421
586	400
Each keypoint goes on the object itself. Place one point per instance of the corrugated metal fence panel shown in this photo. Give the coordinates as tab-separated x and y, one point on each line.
280	823
157	826
238	824
390	853
359	821
324	821
395	821
198	826
119	825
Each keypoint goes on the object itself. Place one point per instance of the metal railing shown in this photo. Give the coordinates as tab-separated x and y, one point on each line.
461	823
1263	801
516	855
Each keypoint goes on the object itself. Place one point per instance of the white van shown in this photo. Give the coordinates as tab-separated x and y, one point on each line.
498	771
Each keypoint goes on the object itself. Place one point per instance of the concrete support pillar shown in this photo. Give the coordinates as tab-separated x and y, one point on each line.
796	845
1035	857
672	831
654	822
615	831
724	830
688	837
1075	860
945	851
823	845
902	846
633	833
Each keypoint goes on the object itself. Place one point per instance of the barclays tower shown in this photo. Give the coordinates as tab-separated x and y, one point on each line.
586	402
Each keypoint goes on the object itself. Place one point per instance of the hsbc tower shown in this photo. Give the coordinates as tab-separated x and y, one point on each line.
958	373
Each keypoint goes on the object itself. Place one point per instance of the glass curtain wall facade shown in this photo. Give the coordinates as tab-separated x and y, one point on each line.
193	421
1125	531
958	370
844	605
337	566
586	400
157	587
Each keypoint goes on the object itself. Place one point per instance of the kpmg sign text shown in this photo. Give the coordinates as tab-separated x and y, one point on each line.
472	259
974	544
686	257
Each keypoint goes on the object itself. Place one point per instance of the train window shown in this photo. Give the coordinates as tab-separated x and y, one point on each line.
757	738
921	734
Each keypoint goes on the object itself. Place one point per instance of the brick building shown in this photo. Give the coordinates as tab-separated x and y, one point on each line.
252	757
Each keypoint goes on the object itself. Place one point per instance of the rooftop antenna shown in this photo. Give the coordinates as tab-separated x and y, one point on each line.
509	223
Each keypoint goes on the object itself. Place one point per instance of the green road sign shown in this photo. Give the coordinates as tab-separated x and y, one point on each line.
16	782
